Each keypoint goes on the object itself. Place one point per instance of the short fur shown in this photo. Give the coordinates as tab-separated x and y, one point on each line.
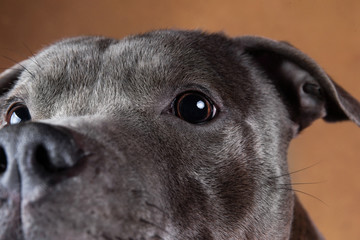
105	157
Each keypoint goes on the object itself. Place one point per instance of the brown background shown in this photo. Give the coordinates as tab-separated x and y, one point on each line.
327	30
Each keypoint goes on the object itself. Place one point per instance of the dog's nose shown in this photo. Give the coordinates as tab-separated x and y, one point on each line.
36	153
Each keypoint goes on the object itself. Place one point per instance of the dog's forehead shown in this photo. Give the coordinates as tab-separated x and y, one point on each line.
99	71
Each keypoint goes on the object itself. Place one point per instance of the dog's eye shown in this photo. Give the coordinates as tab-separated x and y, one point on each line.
17	113
194	107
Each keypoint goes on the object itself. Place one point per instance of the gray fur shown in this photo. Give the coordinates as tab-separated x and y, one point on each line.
128	168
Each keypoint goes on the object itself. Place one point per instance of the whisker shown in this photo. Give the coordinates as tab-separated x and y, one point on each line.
156	207
10	59
27	70
27	48
16	62
296	171
305	183
33	59
305	193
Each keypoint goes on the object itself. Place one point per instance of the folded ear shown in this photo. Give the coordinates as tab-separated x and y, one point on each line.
9	77
308	92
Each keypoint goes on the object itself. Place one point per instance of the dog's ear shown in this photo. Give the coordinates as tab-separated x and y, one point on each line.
306	89
9	77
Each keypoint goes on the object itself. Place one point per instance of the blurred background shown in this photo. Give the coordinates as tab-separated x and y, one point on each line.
328	30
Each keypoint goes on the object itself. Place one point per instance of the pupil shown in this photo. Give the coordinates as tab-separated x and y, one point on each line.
19	115
193	108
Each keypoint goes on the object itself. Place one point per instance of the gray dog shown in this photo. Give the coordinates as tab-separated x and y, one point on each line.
164	135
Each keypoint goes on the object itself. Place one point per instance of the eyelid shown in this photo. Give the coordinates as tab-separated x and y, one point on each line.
215	98
7	103
14	105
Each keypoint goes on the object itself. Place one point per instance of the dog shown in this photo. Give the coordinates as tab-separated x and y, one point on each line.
170	134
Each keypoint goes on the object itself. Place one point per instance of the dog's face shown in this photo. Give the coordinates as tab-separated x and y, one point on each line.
166	135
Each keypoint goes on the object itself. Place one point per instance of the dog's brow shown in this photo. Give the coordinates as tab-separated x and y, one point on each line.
4	104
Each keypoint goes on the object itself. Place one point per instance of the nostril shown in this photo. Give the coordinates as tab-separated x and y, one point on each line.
3	160
50	160
42	157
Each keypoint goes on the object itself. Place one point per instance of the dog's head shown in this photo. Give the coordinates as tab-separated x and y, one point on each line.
165	135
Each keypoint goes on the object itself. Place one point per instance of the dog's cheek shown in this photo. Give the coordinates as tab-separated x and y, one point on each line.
208	181
239	183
